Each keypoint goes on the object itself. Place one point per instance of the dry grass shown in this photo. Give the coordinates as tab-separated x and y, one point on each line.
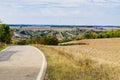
2	46
107	50
98	60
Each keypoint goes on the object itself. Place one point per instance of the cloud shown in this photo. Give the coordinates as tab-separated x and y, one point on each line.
106	2
58	3
52	10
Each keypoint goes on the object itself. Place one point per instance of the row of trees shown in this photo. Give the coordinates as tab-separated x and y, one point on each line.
46	40
5	33
108	34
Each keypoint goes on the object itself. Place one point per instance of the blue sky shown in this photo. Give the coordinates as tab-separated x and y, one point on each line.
73	12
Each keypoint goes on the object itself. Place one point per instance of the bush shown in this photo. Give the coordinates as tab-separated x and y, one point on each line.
47	40
30	41
24	42
21	42
5	33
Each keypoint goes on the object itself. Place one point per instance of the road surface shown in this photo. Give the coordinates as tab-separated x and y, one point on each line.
20	63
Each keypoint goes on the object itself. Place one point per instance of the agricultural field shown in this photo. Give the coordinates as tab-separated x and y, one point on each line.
88	59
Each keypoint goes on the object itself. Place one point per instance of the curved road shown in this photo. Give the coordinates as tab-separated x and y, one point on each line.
21	63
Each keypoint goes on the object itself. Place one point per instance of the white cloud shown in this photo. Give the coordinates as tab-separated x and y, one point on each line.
58	3
53	9
106	2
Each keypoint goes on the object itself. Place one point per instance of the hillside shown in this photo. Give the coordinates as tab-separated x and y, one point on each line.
60	33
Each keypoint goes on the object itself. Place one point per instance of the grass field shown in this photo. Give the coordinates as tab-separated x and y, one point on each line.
96	59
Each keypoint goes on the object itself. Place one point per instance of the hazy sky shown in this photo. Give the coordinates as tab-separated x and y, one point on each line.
76	12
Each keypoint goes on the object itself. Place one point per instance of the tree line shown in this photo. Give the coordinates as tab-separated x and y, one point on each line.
46	40
107	34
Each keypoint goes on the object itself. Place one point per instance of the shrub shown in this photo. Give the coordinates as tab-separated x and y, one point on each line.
30	41
21	42
47	40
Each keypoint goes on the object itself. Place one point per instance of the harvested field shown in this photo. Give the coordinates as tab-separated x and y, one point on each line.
107	50
98	59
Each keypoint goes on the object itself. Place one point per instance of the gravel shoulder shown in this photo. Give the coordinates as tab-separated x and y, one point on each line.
20	63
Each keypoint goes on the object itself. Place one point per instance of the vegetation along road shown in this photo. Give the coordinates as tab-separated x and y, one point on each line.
21	63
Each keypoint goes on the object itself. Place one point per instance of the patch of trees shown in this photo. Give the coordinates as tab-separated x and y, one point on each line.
5	33
24	41
108	34
47	40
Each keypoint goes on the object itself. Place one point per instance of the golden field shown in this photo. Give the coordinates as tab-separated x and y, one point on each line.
102	50
90	59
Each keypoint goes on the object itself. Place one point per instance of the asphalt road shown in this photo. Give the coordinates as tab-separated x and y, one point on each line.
20	63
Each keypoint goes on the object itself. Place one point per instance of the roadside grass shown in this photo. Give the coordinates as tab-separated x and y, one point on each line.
70	65
3	47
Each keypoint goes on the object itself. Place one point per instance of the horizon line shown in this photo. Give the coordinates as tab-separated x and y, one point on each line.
61	24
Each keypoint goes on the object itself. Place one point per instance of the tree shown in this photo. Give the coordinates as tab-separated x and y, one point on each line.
5	33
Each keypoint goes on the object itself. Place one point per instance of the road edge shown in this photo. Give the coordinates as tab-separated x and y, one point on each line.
43	68
5	48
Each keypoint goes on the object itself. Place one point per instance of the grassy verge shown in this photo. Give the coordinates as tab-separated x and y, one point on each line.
65	66
3	47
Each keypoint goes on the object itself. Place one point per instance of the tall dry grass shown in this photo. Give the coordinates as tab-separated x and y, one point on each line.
84	62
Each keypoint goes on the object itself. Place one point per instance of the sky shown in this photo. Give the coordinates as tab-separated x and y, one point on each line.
60	12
